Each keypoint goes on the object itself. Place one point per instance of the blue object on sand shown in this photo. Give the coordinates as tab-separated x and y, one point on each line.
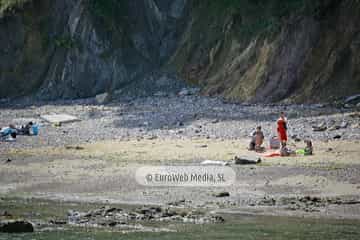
35	129
7	131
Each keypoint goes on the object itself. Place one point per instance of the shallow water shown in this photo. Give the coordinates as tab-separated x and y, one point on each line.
236	227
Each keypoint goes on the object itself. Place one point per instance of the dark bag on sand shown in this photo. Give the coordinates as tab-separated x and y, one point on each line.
24	130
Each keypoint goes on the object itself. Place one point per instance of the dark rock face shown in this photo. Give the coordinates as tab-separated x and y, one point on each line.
16	227
65	49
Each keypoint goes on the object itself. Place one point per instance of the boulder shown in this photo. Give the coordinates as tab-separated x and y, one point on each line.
222	194
338	136
245	160
17	226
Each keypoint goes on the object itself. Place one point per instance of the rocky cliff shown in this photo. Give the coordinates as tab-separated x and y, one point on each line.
257	51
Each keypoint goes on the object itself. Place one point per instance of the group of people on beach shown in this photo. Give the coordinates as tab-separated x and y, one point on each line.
257	139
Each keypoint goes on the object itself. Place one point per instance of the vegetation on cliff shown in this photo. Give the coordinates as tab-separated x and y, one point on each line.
9	5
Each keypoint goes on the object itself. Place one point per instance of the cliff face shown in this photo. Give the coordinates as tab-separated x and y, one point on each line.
261	54
78	48
256	51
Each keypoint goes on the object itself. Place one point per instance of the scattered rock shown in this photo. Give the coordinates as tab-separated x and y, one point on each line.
114	217
113	223
57	124
160	94
108	210
266	201
58	222
188	91
177	203
203	146
215	121
179	124
74	147
354	99
244	160
343	125
16	226
218	219
334	127
221	194
5	214
329	150
320	128
355	115
296	138
151	137
337	136
196	219
318	105
103	98
148	210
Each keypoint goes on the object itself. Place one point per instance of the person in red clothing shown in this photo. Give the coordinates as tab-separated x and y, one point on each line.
281	129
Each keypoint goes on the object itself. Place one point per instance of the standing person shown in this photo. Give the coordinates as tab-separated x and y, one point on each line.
281	129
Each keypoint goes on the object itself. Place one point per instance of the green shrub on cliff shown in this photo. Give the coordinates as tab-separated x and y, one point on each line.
8	5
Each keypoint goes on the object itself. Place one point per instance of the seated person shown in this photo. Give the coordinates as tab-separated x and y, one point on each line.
257	139
309	148
285	151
